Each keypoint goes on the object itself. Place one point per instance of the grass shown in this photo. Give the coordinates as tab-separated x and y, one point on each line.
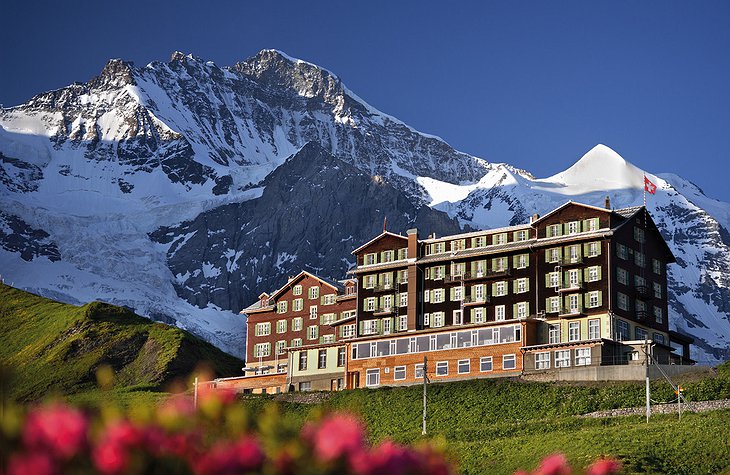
50	348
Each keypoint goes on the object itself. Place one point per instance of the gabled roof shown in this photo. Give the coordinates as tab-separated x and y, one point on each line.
299	277
379	236
569	203
483	232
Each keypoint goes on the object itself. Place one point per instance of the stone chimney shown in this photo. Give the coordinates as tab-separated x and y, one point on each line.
534	218
412	243
607	203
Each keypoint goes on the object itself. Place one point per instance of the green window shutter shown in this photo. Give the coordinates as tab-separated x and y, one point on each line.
599	273
600	298
566	279
527	285
451	293
586	248
514	286
494	264
547	255
494	288
547	304
514	261
566	302
584	225
586	300
580	251
585	274
514	310
362	325
527	307
565	229
364	305
548	231
321	299
547	280
598	248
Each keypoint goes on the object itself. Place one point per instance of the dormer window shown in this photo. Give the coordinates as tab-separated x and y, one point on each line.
574	227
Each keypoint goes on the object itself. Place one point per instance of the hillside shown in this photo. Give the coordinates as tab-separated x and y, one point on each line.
51	347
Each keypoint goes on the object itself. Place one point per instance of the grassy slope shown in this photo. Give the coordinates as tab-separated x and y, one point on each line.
55	348
499	426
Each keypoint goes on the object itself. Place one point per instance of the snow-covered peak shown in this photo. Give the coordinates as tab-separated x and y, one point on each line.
600	168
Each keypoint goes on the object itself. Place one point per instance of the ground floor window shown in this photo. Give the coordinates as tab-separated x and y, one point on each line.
418	371
509	362
582	356
442	368
542	360
562	359
399	373
464	366
372	377
485	363
305	386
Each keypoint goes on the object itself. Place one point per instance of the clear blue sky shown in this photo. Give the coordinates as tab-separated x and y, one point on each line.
533	84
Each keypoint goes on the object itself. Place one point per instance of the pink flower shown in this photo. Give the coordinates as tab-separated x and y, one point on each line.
36	463
339	435
387	459
604	467
111	454
58	429
226	458
555	464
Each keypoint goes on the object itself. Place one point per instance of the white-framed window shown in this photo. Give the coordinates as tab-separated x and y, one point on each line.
574	227
522	261
509	362
574	253
657	290
594	329
327	339
403	299
312	312
500	238
622	330
297	290
370	304
438	319
314	292
303	360
522	285
574	331
562	359
312	332
282	306
341	356
322	359
522	310
458	317
574	303
658	315
386	326
368	281
554	230
399	373
574	278
372	377
499	313
554	279
457	294
500	264
297	305
593	249
464	366
500	288
262	350
296	342
479	241
622	252
485	364
554	333
553	305
594	273
478	293
542	360
478	315
656	266
622	301
296	324
402	253
639	259
330	299
592	224
439	296
521	235
281	326
370	327
370	259
403	323
426	319
387	302
641	333
388	256
305	386
442	368
418	371
594	298
328	318
622	276
263	329
553	255
280	345
582	356
348	331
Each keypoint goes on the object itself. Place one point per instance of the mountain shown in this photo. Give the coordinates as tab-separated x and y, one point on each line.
183	190
56	347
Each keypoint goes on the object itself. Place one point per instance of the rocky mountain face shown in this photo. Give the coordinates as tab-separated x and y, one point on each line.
183	190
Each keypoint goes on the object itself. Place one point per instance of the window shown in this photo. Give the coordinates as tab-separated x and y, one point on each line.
369	304
562	359
594	274
302	361
305	386
623	301
438	319
442	368
438	247
574	331
574	278
485	364
458	317
418	371
509	362
402	253
656	266
479	241
281	326
341	356
328	318
388	256
640	306
297	305
262	350
622	251
312	332
439	296
522	310
370	327
327	339
593	249
553	279
522	286
314	292
553	304
399	373
282	307
554	230
370	259
500	288
329	299
457	294
403	299
582	356
542	360
574	304
521	261
263	329
659	338
387	302
657	290
499	264
552	255
280	345
463	366
622	276
574	253
312	312
348	331
639	259
574	227
658	315
622	330
594	299
386	326
641	334
296	324
554	334
403	323
592	224
477	315
521	235
639	281
368	281
594	329
500	238
322	359
297	290
296	342
478	294
372	377
458	245
638	234
426	319
499	313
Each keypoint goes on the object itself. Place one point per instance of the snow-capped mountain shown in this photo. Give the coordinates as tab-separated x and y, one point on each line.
183	190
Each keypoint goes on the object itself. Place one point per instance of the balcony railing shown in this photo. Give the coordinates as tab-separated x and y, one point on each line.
643	292
571	311
485	274
642	315
572	287
469	300
570	261
383	310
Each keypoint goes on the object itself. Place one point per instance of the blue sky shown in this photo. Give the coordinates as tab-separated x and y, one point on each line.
533	84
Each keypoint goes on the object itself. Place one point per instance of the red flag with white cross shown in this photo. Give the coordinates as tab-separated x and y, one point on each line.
649	186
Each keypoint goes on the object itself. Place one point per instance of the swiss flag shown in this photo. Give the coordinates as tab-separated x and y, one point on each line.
649	186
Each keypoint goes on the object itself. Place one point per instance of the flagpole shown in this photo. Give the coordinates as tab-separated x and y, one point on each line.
644	190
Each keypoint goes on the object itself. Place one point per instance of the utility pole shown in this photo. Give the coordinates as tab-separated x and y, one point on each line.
648	391
425	380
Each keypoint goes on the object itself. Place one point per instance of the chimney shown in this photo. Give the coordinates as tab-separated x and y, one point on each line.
534	218
412	243
607	203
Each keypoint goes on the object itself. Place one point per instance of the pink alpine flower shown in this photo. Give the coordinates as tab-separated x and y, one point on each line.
337	436
605	466
555	464
59	429
226	458
36	463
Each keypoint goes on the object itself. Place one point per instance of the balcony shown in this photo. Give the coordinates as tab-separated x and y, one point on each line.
643	292
485	274
571	311
572	287
476	301
390	286
642	315
570	261
383	311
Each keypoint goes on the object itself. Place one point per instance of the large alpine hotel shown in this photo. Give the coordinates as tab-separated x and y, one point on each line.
582	286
